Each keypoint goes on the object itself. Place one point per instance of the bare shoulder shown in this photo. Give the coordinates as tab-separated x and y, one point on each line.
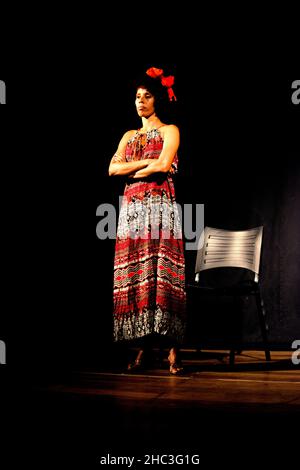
130	133
127	136
169	130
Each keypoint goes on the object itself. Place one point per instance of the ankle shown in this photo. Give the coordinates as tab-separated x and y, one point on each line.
173	355
137	363
139	356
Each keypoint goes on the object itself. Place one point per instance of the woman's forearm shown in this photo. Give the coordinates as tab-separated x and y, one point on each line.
125	168
154	167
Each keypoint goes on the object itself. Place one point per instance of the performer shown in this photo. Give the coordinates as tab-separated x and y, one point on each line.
149	264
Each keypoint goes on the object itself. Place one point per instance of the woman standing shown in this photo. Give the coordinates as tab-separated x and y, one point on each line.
149	265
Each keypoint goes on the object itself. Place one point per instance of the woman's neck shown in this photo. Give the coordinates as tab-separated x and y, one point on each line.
151	122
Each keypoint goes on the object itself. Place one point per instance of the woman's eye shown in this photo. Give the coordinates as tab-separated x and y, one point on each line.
145	96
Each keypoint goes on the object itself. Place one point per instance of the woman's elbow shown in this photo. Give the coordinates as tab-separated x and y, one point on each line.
164	167
111	171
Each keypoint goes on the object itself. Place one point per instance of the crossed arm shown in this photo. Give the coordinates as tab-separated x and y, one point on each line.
144	168
118	165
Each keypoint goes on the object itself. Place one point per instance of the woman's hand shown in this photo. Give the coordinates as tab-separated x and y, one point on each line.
117	158
139	174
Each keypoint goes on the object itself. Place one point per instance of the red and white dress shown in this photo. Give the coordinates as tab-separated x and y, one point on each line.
149	265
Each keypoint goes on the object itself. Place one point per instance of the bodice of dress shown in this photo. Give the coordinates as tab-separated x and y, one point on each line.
147	145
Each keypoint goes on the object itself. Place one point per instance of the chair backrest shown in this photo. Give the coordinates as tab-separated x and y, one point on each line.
227	248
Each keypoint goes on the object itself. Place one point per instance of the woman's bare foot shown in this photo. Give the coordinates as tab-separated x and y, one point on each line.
137	364
175	363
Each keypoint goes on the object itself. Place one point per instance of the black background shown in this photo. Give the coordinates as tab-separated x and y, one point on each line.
239	156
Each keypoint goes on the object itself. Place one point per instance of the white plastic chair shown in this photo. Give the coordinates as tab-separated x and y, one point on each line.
219	248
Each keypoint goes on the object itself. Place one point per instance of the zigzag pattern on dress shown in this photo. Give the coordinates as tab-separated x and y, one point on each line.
165	270
141	250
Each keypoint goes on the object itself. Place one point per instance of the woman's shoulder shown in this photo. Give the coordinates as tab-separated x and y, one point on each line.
129	134
169	129
168	126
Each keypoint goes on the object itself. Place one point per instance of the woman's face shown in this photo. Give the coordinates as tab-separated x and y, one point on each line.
144	102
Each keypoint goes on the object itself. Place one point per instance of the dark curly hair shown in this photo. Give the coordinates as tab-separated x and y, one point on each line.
160	93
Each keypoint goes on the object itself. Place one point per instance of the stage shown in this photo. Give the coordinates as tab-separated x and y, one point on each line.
240	415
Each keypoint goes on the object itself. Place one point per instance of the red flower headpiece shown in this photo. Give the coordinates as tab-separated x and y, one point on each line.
165	81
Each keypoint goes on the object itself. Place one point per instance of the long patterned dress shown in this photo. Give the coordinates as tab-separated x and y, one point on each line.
149	265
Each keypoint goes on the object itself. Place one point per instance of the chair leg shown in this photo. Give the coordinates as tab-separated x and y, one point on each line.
236	332
262	324
231	357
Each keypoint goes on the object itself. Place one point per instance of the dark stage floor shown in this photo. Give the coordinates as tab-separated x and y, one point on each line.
235	417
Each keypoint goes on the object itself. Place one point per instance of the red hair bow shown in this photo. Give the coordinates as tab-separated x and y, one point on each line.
165	81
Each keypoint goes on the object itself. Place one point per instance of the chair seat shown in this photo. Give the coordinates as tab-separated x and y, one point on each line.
239	289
